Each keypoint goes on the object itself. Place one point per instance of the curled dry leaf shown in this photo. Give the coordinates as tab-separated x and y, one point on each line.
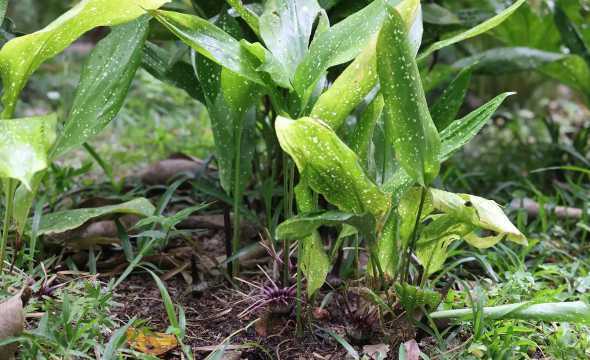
12	321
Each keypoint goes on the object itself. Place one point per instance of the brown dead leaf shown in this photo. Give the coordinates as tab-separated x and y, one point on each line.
151	343
12	320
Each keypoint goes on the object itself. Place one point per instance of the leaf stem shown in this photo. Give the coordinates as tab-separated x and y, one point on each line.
9	194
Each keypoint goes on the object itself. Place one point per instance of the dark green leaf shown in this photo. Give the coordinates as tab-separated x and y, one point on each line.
505	60
438	15
461	131
474	31
341	43
445	109
414	135
211	42
61	221
301	226
104	83
160	64
570	35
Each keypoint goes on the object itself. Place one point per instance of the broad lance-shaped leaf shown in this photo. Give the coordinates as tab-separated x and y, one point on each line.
446	107
480	213
570	35
453	137
461	131
286	27
160	64
211	42
508	59
415	138
231	101
103	85
315	263
62	221
21	56
361	137
341	43
24	144
330	167
360	77
474	31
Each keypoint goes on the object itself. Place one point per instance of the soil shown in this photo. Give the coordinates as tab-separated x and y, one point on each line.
212	316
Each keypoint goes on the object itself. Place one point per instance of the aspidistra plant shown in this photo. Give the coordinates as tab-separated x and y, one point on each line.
28	145
295	46
390	200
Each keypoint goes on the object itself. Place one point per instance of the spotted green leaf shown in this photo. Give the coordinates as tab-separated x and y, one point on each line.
446	107
248	15
211	42
341	43
360	77
315	263
474	31
461	131
21	56
453	137
231	101
103	85
286	27
62	221
414	135
24	145
160	64
330	167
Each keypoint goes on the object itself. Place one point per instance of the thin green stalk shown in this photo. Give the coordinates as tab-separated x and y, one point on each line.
237	195
10	188
298	310
288	182
412	245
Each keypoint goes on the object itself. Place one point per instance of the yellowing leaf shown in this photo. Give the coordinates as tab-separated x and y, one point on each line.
479	212
24	144
151	343
21	56
330	167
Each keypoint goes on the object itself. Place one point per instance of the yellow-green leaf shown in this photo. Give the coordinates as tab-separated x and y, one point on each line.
330	167
24	144
479	212
21	56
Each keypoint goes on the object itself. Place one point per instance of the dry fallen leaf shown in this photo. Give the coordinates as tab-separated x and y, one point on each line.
377	351
12	322
151	343
412	350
